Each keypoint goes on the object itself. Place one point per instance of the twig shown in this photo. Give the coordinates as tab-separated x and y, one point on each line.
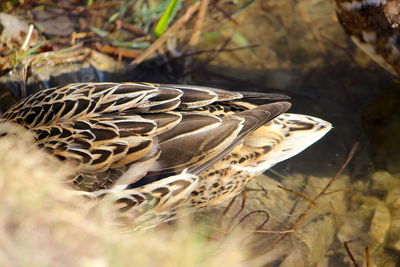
367	262
262	188
239	211
194	39
272	231
224	13
346	246
206	62
349	157
248	215
196	32
333	179
263	223
298	193
118	51
215	50
80	35
227	209
303	215
131	27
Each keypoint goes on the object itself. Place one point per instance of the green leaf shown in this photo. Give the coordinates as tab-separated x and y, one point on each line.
98	31
64	50
245	5
33	49
239	39
134	45
113	17
166	17
121	11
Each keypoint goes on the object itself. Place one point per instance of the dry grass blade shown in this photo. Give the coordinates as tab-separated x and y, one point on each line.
131	27
160	41
24	46
198	26
43	223
299	194
120	52
196	33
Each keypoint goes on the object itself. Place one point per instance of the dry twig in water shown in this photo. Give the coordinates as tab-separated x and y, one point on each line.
346	246
323	192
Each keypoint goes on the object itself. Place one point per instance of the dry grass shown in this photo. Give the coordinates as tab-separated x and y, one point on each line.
43	223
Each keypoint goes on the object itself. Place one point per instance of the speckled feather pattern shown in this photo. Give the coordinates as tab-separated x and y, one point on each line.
156	148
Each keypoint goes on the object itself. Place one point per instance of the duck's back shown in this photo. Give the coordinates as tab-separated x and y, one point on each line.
163	144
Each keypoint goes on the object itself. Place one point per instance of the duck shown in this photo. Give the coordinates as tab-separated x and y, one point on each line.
156	149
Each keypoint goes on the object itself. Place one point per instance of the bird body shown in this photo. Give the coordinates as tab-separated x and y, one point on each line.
157	148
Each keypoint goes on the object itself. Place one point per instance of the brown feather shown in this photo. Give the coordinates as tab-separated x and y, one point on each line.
154	146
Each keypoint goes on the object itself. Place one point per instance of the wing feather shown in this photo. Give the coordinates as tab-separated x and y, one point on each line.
148	130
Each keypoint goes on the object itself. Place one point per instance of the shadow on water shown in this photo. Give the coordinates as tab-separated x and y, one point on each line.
303	52
338	93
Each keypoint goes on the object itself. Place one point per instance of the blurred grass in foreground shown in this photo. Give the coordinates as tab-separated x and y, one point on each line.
43	223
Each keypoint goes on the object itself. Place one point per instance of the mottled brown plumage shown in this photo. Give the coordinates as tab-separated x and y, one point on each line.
155	148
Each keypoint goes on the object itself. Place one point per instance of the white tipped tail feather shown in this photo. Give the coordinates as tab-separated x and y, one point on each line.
284	137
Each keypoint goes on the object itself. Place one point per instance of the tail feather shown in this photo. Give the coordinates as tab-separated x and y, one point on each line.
284	137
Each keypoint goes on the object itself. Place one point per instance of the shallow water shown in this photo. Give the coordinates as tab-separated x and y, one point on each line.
303	52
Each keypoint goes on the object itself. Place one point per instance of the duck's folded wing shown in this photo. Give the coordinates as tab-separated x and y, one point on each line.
199	140
253	119
224	95
139	126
